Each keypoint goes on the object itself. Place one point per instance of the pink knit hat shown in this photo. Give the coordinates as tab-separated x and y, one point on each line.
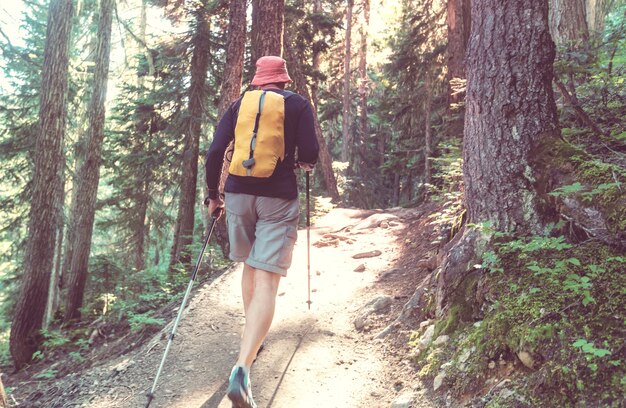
270	70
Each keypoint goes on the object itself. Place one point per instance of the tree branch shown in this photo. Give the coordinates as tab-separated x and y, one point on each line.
21	54
582	115
139	40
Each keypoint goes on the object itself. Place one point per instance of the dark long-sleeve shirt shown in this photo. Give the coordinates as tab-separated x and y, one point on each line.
299	137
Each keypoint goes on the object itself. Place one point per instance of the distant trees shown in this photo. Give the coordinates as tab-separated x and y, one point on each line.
568	22
345	122
363	79
297	66
45	212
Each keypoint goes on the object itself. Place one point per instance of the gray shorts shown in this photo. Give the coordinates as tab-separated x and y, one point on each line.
262	230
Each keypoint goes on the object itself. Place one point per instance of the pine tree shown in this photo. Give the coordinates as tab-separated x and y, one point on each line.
47	192
88	174
183	235
231	88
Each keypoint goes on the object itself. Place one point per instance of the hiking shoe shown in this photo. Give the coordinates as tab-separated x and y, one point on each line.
239	389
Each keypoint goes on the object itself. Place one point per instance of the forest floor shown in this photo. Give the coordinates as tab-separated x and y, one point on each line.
313	358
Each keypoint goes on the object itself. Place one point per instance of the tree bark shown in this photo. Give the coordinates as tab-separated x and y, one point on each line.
54	288
230	90
568	24
345	124
459	24
49	160
325	160
183	236
267	28
88	174
595	14
511	116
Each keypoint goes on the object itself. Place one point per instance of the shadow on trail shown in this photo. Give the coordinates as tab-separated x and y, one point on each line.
282	377
217	397
284	343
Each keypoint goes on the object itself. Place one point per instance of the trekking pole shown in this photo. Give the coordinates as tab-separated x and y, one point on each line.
308	239
214	217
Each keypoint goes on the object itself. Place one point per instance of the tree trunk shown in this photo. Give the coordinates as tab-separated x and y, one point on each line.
595	14
363	128
325	160
459	24
511	116
183	236
145	118
88	174
267	28
53	291
230	90
396	189
49	160
345	124
568	24
427	131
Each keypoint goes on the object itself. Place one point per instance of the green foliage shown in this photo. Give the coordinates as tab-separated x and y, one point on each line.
560	303
47	374
77	357
140	321
54	339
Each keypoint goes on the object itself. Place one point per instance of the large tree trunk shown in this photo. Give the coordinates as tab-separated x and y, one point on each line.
568	24
459	24
183	236
345	124
511	116
230	90
88	173
325	160
267	28
45	212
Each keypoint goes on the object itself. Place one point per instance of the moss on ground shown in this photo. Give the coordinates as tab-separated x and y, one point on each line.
563	305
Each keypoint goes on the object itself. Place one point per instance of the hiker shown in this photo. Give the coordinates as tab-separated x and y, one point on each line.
274	132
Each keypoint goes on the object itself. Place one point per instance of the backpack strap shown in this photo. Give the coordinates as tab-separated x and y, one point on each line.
250	162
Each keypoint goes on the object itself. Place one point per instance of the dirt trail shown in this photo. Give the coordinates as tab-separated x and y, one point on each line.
314	358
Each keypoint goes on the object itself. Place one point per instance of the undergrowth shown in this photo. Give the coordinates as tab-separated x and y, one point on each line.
556	306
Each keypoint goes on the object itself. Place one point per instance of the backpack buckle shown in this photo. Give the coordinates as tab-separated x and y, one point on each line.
248	163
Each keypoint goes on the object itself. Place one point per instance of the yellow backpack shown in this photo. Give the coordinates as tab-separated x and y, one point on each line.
259	135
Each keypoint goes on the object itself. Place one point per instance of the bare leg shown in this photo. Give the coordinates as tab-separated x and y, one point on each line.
259	314
247	286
